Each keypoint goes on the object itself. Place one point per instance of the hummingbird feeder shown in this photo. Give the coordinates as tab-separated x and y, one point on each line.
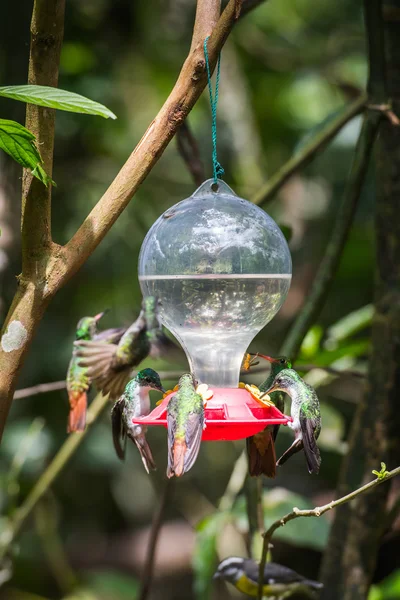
221	269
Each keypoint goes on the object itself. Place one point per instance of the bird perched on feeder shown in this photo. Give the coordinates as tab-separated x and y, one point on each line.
110	365
185	423
278	582
78	379
135	402
306	414
261	446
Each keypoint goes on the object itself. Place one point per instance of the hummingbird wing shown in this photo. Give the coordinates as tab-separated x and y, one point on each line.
111	336
310	427
110	365
118	428
194	432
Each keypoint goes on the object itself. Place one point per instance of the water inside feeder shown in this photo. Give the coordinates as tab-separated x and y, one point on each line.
215	317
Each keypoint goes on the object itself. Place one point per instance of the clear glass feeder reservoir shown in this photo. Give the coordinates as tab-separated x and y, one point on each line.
221	268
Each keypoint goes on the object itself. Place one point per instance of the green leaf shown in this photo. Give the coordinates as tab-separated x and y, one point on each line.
311	342
205	553
51	97
383	473
19	143
388	589
350	324
311	533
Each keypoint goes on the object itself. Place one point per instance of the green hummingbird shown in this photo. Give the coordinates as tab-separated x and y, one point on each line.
261	446
110	365
135	402
78	380
185	422
306	414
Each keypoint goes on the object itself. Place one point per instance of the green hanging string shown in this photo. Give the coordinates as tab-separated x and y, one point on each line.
217	168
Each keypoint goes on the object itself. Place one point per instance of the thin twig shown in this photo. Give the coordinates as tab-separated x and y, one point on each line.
48	477
189	150
147	576
300	159
54	386
316	512
41	388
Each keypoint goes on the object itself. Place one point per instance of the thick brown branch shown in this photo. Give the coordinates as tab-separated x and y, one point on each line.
47	30
316	512
190	84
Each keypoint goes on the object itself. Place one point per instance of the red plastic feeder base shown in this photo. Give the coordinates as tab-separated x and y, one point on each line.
231	414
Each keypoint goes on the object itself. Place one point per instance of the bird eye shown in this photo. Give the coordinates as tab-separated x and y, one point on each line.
282	361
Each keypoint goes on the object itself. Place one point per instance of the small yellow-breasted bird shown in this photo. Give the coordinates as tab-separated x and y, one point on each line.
279	581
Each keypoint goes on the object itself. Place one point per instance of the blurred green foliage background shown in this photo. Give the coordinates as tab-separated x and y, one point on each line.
287	66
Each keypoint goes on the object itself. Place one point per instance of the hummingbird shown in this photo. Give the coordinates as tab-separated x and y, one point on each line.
261	446
279	581
306	414
78	380
135	402
185	423
110	365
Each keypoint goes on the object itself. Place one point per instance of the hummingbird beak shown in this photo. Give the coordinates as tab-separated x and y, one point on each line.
268	358
100	315
274	388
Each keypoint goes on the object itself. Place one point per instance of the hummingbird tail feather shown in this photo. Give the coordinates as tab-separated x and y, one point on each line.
311	450
177	467
77	411
293	449
261	454
145	452
118	430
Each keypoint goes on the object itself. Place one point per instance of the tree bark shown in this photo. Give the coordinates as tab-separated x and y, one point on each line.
357	530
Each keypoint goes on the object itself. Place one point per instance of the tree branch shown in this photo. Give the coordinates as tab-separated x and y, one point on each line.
48	477
47	30
316	512
302	158
333	252
58	264
147	576
188	88
189	150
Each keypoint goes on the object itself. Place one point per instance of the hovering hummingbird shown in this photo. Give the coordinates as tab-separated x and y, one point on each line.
306	414
278	582
135	402
110	365
78	380
261	446
185	422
